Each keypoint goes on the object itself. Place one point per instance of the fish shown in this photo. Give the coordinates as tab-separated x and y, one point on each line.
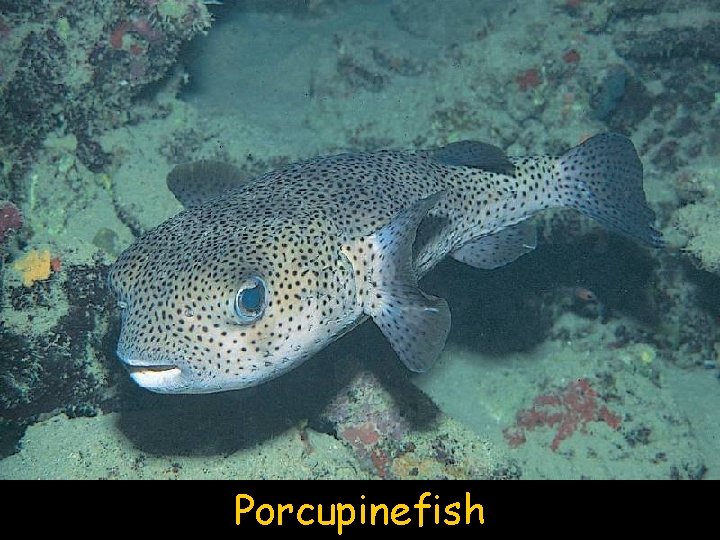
257	275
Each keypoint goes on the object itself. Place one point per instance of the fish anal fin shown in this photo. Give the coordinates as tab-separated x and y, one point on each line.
500	248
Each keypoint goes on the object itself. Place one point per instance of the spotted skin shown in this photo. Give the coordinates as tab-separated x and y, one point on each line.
336	240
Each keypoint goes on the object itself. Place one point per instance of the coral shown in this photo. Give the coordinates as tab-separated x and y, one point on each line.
10	219
34	266
118	33
568	409
698	223
528	79
79	65
571	57
189	14
370	423
57	353
700	42
393	435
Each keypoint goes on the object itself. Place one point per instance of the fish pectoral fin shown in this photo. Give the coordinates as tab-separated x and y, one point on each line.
475	154
498	249
199	181
415	324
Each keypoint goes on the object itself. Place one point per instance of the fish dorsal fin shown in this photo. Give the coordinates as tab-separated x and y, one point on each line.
498	249
475	154
416	324
198	181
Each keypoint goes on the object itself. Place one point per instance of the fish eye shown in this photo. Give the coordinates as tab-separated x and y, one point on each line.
250	300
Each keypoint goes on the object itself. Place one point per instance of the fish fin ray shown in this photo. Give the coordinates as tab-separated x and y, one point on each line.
603	179
475	154
415	324
500	248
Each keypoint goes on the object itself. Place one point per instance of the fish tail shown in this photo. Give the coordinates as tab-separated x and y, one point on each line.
603	179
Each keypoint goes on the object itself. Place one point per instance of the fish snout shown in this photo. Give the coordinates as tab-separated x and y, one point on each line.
161	378
166	378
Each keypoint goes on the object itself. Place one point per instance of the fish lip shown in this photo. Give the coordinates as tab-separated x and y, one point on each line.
163	378
158	368
156	377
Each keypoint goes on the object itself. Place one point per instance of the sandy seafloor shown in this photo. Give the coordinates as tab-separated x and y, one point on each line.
269	84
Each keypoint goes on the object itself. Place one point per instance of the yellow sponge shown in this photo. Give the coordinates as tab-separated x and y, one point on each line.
33	266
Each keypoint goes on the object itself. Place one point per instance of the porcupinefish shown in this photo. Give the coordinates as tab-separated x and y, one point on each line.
255	276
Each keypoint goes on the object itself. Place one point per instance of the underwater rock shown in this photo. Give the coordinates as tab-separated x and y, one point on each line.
78	64
460	20
57	350
11	219
699	221
621	100
671	43
398	433
365	61
610	92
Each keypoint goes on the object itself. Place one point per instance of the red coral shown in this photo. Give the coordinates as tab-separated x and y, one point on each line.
371	424
117	34
144	28
381	461
529	78
365	440
570	408
10	219
571	57
141	27
363	435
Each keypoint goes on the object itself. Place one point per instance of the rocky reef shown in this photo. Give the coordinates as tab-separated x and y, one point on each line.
74	67
91	121
70	72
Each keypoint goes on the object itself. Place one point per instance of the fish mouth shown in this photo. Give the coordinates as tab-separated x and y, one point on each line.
157	378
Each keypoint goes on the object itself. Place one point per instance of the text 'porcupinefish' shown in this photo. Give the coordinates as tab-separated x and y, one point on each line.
255	276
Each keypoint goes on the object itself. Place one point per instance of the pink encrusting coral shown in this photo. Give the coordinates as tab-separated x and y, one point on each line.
141	27
567	409
370	423
530	78
10	219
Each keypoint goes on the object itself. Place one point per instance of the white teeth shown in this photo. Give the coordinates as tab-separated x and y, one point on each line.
157	380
